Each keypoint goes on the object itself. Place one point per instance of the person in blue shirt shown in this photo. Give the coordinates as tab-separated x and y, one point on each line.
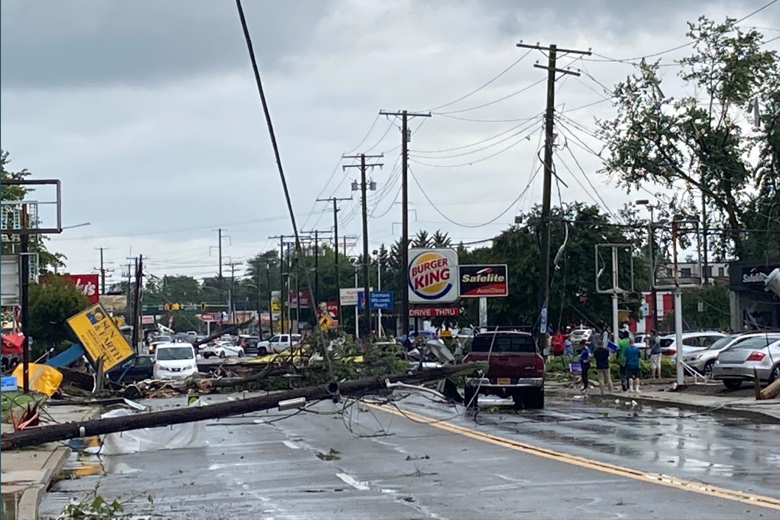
632	355
568	350
585	365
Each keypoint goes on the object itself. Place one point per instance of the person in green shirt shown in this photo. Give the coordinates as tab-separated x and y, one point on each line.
622	345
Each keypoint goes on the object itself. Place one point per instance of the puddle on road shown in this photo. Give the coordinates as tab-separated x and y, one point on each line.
9	505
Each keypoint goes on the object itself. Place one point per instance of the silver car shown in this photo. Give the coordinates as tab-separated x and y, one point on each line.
703	360
737	363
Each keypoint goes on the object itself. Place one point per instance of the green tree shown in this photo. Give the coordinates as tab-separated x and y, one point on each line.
702	144
53	301
707	307
46	259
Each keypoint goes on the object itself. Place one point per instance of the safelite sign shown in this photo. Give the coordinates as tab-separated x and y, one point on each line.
483	281
433	276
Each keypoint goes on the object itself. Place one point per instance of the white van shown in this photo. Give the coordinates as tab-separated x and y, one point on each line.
174	361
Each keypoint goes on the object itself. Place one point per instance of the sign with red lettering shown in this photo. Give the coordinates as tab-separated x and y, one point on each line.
434	312
303	294
88	283
433	276
483	281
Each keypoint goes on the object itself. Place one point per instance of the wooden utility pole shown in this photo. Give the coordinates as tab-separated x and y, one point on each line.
139	274
232	299
406	138
335	201
364	186
102	271
316	239
70	430
549	143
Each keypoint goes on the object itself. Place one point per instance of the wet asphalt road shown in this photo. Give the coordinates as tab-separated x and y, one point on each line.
311	466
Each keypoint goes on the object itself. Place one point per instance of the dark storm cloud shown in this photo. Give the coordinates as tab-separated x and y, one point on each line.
617	17
51	44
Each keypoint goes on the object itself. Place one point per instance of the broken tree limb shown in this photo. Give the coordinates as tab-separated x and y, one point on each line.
771	391
71	430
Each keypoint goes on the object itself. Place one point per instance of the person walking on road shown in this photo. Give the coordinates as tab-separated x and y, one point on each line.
632	356
601	354
585	366
655	354
623	344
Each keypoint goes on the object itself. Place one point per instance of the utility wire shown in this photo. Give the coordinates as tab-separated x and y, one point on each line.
523	126
521	58
473	226
524	89
481	159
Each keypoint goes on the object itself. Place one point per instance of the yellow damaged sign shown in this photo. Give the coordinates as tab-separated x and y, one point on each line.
100	336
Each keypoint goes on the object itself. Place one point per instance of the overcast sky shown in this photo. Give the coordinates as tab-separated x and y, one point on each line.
148	113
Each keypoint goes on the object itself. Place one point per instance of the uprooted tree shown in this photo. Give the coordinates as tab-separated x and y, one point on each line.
720	142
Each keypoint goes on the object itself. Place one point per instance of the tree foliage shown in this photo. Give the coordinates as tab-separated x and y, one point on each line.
702	143
52	302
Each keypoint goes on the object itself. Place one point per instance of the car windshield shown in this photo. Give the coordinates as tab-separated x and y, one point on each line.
508	343
722	342
755	343
174	353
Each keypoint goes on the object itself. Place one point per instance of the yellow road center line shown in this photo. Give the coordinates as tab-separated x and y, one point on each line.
644	476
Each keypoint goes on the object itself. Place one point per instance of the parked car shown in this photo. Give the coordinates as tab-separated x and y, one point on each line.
579	335
277	343
249	344
515	368
136	368
692	342
737	363
174	361
221	349
703	360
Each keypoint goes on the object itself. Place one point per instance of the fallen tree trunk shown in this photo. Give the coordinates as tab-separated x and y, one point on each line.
771	391
70	430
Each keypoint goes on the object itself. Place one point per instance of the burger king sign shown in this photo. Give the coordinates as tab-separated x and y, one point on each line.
433	276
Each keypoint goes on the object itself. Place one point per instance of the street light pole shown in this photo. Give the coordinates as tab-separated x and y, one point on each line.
651	240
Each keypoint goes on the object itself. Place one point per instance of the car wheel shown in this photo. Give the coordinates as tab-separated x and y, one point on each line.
222	354
774	374
262	351
470	397
533	398
240	354
732	384
708	368
206	355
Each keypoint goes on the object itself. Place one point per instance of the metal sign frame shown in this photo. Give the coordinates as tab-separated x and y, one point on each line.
57	202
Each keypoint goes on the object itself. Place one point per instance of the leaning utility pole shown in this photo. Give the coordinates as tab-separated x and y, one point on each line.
364	203
406	138
316	233
335	201
549	142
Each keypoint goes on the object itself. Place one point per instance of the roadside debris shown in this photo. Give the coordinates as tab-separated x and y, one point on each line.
61	432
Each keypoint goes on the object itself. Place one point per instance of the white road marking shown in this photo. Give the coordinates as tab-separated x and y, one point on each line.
348	479
291	445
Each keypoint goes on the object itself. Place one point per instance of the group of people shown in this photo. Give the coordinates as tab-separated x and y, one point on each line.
628	356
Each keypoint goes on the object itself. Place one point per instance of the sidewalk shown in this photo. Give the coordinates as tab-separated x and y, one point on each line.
747	407
27	474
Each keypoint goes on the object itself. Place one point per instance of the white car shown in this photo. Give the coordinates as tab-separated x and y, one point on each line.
174	361
222	349
692	342
278	343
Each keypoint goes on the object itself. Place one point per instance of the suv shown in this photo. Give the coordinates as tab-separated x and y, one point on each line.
515	368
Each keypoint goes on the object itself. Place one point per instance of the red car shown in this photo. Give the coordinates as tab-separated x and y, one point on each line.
515	369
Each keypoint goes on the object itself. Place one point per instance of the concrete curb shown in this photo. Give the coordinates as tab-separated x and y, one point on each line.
33	495
727	410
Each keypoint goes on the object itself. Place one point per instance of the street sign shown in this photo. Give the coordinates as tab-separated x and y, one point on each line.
276	306
100	336
87	283
325	322
483	281
11	281
381	299
349	296
434	312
